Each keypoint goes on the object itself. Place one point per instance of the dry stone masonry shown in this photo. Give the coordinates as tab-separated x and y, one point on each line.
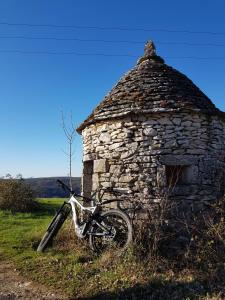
155	133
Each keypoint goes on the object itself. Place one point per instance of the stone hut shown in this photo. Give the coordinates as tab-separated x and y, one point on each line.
155	132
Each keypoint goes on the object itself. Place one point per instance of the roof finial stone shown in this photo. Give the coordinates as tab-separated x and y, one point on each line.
150	54
150	49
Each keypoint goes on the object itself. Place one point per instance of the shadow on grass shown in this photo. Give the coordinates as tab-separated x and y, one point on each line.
46	209
39	209
159	290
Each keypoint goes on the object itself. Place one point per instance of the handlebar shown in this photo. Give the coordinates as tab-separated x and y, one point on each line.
108	189
65	187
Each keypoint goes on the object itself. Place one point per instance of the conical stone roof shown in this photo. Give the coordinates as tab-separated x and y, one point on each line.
151	86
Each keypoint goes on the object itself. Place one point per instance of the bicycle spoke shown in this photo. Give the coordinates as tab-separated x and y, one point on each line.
111	233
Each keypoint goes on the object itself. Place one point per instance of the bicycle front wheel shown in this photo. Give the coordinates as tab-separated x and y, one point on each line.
112	229
52	231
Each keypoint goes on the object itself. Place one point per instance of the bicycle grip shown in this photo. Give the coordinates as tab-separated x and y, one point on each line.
65	187
60	182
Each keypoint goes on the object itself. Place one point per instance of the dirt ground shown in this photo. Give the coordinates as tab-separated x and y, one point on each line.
14	286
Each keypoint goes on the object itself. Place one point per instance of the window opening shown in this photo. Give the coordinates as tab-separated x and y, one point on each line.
175	175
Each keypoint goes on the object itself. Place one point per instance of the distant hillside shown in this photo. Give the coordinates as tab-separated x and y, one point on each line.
47	187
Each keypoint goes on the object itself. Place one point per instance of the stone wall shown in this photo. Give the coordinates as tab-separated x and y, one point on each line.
136	153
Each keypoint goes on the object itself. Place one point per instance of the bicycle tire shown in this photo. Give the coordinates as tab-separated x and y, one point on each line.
52	231
120	240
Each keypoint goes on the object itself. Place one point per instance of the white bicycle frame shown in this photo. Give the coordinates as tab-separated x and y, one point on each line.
79	229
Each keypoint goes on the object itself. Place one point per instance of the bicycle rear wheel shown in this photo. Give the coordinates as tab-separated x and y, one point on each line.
52	230
112	229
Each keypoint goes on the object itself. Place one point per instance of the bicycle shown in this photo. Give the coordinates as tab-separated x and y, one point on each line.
110	228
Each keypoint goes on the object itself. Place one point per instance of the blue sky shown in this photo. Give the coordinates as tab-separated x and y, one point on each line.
35	87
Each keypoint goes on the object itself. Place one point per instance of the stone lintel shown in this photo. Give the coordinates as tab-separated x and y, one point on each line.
178	160
100	166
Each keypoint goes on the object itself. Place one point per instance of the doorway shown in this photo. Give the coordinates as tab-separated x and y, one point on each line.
87	178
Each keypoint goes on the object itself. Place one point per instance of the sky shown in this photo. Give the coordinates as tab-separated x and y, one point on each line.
66	55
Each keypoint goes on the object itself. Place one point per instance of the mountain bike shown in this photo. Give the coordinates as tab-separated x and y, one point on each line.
103	228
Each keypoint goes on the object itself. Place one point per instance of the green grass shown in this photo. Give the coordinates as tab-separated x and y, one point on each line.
72	269
20	232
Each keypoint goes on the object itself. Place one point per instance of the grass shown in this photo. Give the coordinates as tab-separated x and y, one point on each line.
71	268
15	229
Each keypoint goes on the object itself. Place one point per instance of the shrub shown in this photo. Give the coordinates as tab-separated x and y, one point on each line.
187	240
16	196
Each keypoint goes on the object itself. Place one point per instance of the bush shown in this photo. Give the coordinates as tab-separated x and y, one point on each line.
193	246
197	240
16	196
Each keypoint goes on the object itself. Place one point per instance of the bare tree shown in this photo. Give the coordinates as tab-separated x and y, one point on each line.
19	176
8	176
69	132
